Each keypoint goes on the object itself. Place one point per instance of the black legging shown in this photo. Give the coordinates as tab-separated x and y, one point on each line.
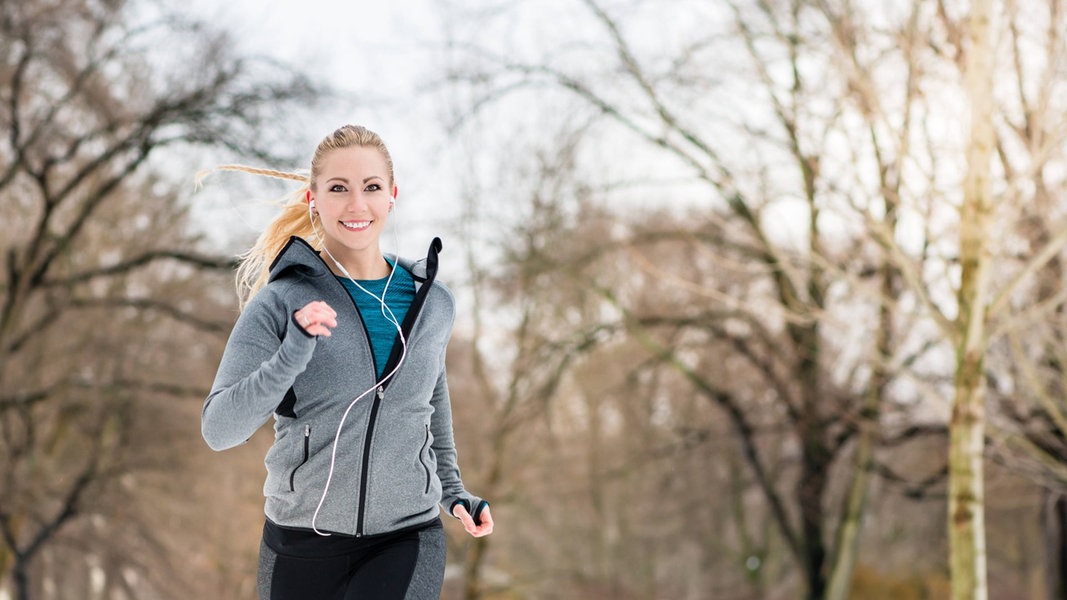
408	565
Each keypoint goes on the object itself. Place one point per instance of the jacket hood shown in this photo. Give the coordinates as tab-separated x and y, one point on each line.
299	256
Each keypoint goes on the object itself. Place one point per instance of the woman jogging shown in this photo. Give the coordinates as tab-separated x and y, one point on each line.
345	347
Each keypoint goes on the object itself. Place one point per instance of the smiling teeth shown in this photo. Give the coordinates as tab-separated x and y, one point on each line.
356	224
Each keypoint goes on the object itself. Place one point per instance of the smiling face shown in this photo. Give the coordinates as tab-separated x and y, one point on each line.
352	194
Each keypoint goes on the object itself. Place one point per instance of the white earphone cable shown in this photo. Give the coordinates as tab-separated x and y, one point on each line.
389	316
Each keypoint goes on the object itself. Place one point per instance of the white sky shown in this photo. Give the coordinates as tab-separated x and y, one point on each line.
383	52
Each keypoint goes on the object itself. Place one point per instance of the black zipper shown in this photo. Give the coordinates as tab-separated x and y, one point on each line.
425	461
406	327
422	290
371	420
366	460
307	449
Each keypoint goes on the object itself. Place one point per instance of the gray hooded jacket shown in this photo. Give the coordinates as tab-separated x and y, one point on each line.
395	456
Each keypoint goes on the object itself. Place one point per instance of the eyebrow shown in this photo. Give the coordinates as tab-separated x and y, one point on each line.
365	179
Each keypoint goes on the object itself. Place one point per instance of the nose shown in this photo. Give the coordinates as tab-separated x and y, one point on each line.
356	203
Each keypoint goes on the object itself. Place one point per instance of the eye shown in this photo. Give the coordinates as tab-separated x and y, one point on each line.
374	187
337	187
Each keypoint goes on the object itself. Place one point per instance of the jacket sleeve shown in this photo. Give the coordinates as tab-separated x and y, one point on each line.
264	354
444	448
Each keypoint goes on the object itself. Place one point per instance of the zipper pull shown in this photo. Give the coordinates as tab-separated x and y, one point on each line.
307	430
381	392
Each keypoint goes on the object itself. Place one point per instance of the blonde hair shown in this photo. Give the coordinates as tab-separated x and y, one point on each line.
253	270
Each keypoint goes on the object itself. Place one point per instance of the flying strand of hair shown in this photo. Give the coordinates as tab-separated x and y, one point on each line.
272	173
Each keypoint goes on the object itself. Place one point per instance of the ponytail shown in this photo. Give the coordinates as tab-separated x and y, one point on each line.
253	268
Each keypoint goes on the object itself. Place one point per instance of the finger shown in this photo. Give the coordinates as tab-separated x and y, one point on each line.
464	517
475	530
486	526
302	319
316	306
325	315
315	329
327	310
315	321
317	318
320	330
460	512
320	308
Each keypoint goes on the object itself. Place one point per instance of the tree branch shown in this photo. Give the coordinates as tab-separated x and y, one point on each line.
203	261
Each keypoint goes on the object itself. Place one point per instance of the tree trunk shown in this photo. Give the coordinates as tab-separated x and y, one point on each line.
846	547
472	586
20	575
1054	524
966	508
815	464
814	560
1060	566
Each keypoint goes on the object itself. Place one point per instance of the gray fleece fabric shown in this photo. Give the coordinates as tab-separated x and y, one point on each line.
395	454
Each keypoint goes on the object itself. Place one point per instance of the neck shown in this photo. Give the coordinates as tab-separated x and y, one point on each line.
364	265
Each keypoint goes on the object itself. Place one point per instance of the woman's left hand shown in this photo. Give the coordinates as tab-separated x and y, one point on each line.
482	530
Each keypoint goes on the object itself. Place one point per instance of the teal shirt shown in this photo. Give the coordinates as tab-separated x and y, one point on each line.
380	329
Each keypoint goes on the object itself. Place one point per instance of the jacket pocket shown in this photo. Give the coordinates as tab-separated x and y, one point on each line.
424	458
303	461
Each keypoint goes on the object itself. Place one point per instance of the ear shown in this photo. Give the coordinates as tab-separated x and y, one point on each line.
396	190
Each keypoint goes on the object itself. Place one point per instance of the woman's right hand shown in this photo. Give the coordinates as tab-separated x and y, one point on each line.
316	318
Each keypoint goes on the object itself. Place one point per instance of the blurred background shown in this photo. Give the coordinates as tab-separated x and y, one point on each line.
735	280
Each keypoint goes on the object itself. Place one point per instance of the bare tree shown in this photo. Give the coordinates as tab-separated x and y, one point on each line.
508	379
794	356
999	204
100	270
966	508
781	332
870	311
1028	420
